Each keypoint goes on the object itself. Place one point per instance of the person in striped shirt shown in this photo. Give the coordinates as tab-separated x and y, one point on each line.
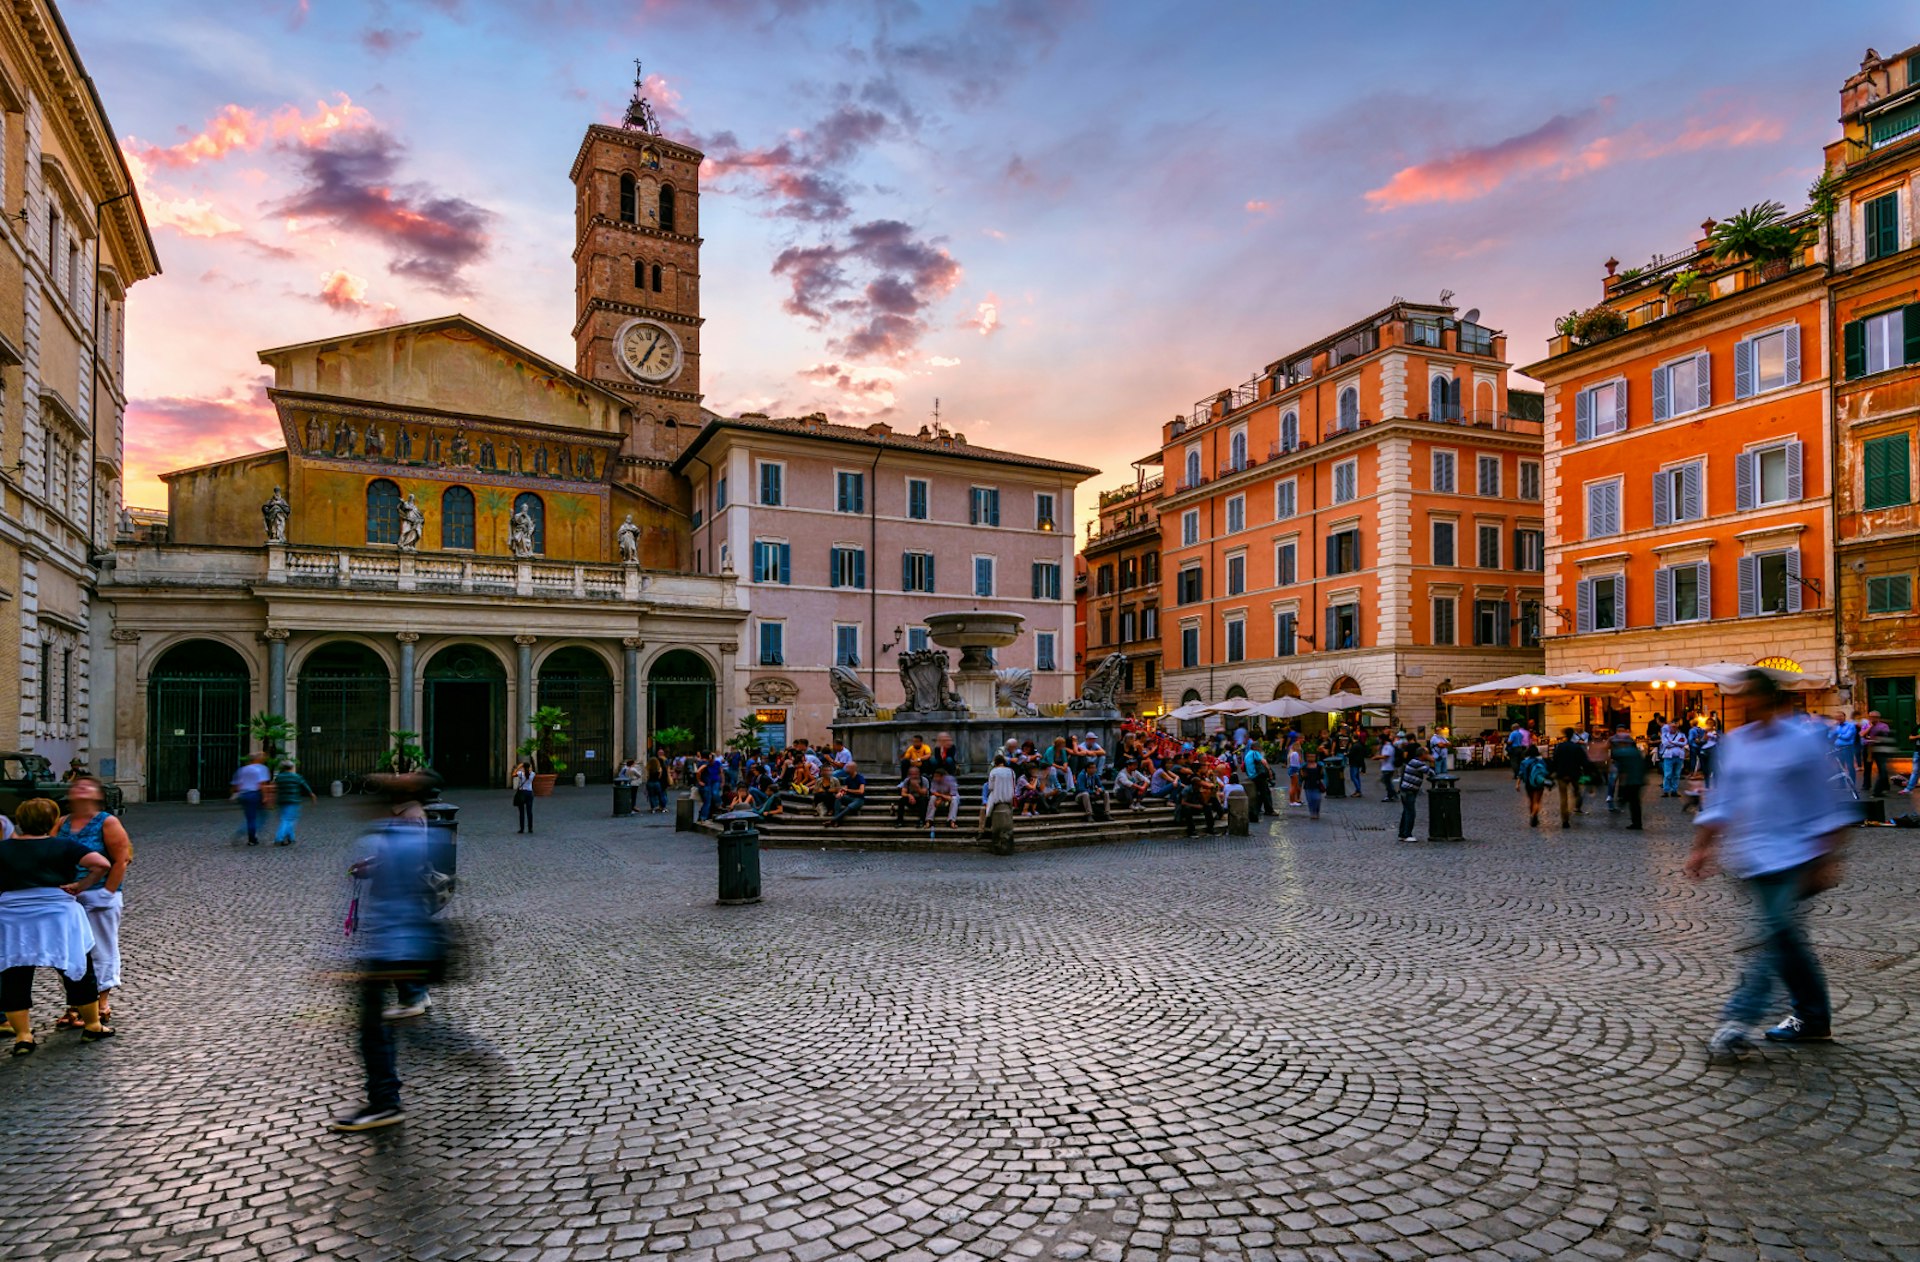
1414	770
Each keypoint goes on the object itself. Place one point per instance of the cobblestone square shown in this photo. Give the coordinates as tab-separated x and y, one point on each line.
1312	1043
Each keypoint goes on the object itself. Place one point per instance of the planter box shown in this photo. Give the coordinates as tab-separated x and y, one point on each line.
543	785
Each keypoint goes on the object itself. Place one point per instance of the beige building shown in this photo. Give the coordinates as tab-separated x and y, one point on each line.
74	240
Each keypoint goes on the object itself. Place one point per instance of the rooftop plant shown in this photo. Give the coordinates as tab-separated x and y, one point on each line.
1761	233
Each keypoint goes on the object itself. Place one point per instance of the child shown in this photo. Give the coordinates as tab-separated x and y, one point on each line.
1534	777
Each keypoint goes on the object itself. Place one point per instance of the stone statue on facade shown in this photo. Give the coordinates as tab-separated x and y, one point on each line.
403	444
1013	688
586	466
520	533
316	433
854	700
486	455
376	442
1103	685
275	513
629	535
343	438
412	523
923	675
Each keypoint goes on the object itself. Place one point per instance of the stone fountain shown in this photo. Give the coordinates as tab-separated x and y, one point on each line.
981	709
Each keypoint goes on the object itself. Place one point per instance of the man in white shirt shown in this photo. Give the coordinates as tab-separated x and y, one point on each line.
1775	818
1129	786
249	782
999	788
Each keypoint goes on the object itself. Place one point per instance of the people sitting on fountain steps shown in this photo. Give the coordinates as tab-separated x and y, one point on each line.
1130	786
999	788
943	795
916	754
1028	795
910	807
1057	789
1089	792
1195	799
1414	770
851	796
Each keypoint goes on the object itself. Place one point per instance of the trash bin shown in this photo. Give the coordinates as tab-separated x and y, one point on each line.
739	843
623	798
1443	809
443	837
684	819
1336	775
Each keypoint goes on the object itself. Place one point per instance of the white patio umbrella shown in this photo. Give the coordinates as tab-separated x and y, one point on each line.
1191	710
1282	708
1349	701
1731	675
1232	705
1515	687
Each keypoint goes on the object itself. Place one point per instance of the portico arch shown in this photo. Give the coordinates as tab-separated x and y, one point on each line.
579	681
465	728
682	692
197	697
343	700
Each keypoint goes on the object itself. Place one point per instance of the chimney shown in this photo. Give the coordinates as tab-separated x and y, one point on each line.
879	429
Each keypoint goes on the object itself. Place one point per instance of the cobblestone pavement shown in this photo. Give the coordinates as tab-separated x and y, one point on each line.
1311	1043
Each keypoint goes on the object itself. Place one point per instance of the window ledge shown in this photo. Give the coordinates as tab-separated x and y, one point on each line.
1680	545
1604	558
1781	528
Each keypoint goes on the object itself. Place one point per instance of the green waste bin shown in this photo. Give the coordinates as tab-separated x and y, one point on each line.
1443	809
739	844
1336	775
623	796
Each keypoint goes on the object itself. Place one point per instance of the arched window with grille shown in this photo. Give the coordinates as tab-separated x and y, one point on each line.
656	278
536	509
1289	432
639	274
666	208
456	518
383	511
1350	408
629	199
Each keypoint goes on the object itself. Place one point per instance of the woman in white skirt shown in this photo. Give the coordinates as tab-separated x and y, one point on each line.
40	924
90	824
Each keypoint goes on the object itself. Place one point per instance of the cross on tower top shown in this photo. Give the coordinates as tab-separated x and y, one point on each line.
640	115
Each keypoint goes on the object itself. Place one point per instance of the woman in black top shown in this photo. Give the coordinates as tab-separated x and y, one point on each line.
41	925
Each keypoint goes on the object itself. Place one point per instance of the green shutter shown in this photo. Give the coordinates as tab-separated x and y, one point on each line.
1886	483
1854	336
1910	319
1893	125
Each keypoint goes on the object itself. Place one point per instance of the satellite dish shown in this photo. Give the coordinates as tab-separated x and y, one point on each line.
1473	316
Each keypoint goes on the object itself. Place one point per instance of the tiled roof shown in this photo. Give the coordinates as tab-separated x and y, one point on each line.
946	443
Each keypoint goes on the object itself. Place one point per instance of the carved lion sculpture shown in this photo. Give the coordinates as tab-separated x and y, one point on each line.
1013	687
1102	686
855	699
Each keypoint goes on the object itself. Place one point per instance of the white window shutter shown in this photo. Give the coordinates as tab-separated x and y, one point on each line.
1661	383
1793	471
1742	369
1743	496
1583	606
1691	508
1749	586
1662	596
1793	580
1792	356
1704	585
1619	406
1662	510
1582	416
1703	380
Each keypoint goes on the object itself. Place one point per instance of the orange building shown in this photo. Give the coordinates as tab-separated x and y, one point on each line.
1365	515
1119	593
1876	309
1687	442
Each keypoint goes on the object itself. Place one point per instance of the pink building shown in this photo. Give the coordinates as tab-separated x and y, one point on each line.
845	539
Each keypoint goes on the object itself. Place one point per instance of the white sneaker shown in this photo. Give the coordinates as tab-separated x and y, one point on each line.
408	1012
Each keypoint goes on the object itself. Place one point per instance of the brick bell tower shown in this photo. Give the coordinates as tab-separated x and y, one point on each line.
636	262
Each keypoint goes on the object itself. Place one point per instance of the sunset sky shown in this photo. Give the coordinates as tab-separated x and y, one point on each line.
1067	221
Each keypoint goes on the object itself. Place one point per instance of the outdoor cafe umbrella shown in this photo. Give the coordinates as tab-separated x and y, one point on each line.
1731	676
1191	710
1639	679
1232	705
1513	687
1282	708
1348	701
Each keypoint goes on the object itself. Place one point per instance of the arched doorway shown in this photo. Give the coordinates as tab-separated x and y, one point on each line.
1236	691
466	715
196	719
340	727
1346	683
680	693
1192	729
577	680
1286	688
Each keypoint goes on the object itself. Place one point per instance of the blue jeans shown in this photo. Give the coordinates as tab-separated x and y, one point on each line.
289	820
250	803
376	1046
1670	774
1784	952
1409	806
1357	770
656	795
1313	803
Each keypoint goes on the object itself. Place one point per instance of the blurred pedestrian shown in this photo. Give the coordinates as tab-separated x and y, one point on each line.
1629	774
1533	775
90	824
1313	782
1775	819
249	786
522	782
656	783
291	792
41	924
1569	765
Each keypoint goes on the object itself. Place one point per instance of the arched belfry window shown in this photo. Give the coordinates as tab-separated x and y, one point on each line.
666	208
629	200
656	278
536	509
456	518
639	274
383	511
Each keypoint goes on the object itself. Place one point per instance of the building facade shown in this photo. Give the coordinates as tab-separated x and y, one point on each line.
1363	516
796	509
75	240
1875	166
1119	601
1687	477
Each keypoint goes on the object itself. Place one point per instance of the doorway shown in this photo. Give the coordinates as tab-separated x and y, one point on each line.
343	695
196	720
576	680
466	716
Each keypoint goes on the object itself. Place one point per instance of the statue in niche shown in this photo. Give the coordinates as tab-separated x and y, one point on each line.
586	466
433	446
540	461
403	443
275	513
461	450
513	458
376	442
629	534
316	433
486	455
520	533
566	462
343	438
412	523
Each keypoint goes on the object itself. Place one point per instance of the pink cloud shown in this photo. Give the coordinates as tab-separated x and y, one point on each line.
235	128
346	293
179	431
985	317
1257	206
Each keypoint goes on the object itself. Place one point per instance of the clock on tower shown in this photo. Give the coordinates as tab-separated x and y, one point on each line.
637	283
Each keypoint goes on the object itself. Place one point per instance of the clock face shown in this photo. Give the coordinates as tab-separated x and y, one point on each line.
649	350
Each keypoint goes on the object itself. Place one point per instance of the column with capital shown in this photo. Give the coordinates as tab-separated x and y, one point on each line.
129	714
407	640
276	638
634	743
524	686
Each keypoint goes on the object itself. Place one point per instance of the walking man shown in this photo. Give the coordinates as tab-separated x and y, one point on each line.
1629	774
1673	755
1776	820
249	785
290	793
1569	764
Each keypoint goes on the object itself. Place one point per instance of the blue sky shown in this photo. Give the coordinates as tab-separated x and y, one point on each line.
1067	221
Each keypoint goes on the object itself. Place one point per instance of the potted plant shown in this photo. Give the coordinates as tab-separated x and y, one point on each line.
271	732
405	755
1688	290
1761	233
1595	324
672	740
549	729
747	739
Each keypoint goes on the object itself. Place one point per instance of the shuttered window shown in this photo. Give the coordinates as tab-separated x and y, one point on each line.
916	571
1887	482
1600	604
1603	509
847	567
1880	234
1283	635
1680	594
1767	475
1893	125
1770	583
1879	343
1046	580
1599	410
1686	385
772	561
1890	593
1677	494
1767	361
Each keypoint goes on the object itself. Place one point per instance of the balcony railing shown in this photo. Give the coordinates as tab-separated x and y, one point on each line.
1120	493
1116	533
1658	305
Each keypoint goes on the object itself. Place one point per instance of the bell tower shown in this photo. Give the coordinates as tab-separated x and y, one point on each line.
636	258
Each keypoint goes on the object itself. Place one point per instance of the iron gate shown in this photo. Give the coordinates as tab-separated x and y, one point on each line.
341	727
687	703
195	733
588	701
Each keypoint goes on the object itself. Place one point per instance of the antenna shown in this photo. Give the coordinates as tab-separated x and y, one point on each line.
1446	295
640	115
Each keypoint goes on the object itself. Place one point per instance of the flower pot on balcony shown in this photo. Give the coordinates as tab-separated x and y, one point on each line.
1684	304
543	784
1774	269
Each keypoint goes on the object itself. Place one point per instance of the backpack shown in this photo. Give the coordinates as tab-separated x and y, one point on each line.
1538	777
